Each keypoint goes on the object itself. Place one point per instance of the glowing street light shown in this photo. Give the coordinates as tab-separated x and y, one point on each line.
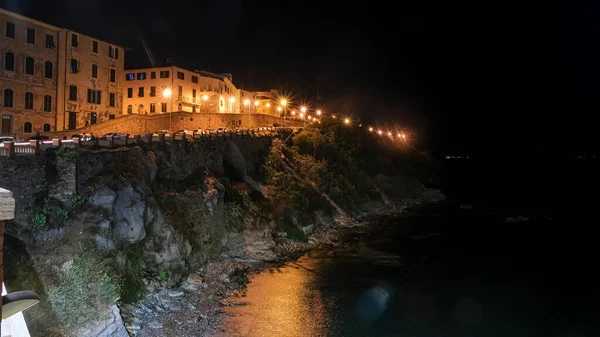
246	102
293	112
268	105
303	109
403	136
232	99
301	115
333	116
389	134
371	129
205	98
256	103
347	121
279	108
319	112
167	93
399	135
379	131
283	102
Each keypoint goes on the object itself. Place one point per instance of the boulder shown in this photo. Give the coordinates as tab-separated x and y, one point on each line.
129	210
164	247
104	243
103	198
194	279
251	245
111	327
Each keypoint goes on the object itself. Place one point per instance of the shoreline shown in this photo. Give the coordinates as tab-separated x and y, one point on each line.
195	307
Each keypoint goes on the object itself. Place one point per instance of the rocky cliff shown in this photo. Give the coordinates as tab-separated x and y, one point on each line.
153	234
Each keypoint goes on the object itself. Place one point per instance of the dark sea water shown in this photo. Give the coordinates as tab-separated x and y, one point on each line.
447	271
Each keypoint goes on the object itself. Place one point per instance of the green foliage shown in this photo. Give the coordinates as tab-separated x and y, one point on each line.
84	290
132	287
61	216
234	215
76	203
37	220
66	153
164	275
105	233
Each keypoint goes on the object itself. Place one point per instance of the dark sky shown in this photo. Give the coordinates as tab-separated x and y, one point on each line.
473	75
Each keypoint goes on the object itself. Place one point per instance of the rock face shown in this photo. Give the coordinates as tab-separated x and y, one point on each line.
129	210
251	245
103	198
111	327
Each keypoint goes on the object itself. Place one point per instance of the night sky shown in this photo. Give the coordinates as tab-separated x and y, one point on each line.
473	76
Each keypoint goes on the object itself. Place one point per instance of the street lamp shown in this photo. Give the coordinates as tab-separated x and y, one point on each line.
279	110
347	121
303	109
168	94
204	98
319	112
371	129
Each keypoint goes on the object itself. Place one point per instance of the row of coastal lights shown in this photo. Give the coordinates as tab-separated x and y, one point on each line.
303	111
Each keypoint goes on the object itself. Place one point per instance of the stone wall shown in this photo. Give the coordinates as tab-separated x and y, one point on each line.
26	177
141	124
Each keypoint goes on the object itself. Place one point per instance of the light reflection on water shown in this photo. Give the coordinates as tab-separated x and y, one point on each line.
295	306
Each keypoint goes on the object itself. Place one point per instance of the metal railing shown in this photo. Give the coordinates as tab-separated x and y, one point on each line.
10	148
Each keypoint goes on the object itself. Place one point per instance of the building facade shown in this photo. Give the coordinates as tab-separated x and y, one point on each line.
28	74
268	101
54	79
169	89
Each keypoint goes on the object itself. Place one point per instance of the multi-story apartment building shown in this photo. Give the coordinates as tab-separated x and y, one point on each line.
54	79
28	74
268	101
168	89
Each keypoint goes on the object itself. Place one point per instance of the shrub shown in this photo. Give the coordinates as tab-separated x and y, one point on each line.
61	216
234	215
66	153
164	275
76	203
84	291
37	220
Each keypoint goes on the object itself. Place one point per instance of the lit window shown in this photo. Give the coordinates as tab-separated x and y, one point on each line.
141	76
130	77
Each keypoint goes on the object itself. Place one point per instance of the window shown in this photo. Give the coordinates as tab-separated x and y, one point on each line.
11	30
9	61
153	75
111	99
152	107
72	93
194	79
221	103
194	108
113	52
31	35
46	127
141	76
48	69
27	127
94	71
179	92
95	47
129	109
141	92
194	94
111	116
130	77
49	41
94	96
180	75
164	74
28	101
163	107
29	65
129	92
141	109
74	40
152	91
93	118
179	107
74	66
47	103
8	98
113	75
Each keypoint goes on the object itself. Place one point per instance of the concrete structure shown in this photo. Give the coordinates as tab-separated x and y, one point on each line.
54	79
167	89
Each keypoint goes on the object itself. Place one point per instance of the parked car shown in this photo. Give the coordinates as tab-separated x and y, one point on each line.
162	132
5	139
114	135
221	130
200	131
184	132
38	138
